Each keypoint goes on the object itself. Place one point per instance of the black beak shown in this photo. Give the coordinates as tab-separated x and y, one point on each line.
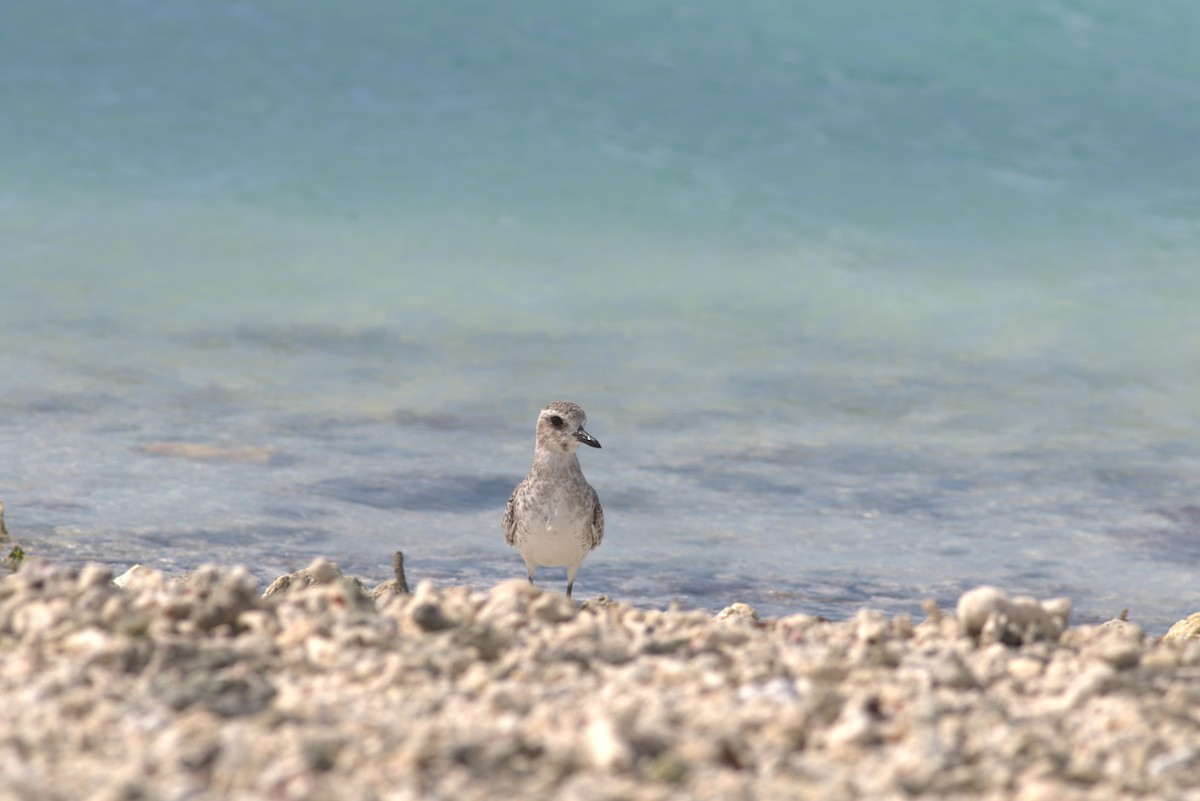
586	438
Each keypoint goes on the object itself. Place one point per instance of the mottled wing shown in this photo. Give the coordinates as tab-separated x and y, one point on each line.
510	518
597	531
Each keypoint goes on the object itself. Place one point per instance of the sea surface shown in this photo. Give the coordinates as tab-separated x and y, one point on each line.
867	302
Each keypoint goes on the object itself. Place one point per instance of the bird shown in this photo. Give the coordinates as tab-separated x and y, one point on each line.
553	517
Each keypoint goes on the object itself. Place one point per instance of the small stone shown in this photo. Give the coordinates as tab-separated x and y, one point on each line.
506	604
1059	609
977	606
1093	680
430	617
947	670
1122	627
598	602
94	575
988	615
856	728
553	608
1121	655
140	578
932	611
1171	760
739	611
387	590
776	690
1161	659
1186	629
871	626
1025	668
606	748
320	571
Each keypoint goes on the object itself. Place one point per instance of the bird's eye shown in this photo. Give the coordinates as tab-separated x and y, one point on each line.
556	421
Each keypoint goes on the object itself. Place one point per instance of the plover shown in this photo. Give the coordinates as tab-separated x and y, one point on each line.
553	517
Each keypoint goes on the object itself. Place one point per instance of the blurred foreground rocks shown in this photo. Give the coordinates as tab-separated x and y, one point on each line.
200	687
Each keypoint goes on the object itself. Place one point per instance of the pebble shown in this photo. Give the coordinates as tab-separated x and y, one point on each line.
1186	629
987	614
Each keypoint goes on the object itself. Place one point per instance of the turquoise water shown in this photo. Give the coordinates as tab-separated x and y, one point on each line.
865	306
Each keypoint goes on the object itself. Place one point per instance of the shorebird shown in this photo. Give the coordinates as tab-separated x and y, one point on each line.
553	517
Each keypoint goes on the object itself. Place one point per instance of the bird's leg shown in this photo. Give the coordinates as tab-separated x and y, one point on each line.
571	570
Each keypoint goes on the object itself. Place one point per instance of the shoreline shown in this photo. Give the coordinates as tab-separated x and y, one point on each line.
201	687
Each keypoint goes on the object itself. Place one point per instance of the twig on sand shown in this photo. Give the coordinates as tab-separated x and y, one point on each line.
398	569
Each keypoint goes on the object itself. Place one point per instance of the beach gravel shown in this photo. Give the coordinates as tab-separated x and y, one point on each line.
200	687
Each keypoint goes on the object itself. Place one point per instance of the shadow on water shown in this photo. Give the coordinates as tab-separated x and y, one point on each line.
423	492
66	403
1177	540
729	481
439	421
299	339
200	540
420	492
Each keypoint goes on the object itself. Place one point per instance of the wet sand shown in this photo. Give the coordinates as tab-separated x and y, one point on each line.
202	688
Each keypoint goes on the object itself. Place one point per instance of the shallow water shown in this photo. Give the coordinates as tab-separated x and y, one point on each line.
864	308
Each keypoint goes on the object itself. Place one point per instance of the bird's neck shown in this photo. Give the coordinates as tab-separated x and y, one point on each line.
556	459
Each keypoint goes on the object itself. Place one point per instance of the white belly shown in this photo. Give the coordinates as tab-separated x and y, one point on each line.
556	532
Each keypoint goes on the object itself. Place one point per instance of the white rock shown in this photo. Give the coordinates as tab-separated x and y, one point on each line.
738	611
606	748
140	577
987	614
976	606
93	575
1186	629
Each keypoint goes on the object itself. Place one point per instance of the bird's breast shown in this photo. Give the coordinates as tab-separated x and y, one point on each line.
559	511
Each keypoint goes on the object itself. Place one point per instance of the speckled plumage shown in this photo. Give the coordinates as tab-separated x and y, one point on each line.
553	517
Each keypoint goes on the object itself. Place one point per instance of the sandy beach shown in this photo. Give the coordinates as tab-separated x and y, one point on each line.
200	687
